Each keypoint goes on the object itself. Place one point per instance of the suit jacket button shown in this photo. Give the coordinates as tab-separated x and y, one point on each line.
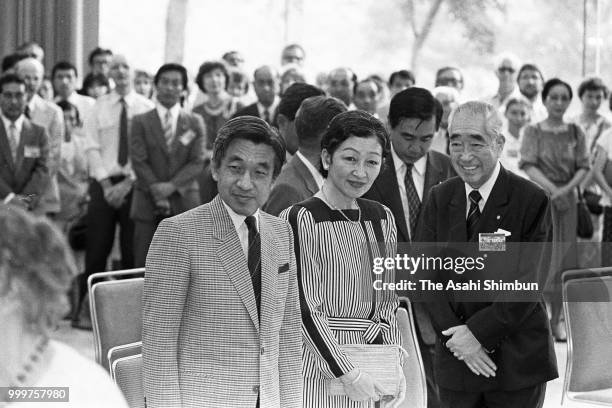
256	389
262	350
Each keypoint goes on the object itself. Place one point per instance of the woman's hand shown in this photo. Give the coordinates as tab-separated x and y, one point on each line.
359	386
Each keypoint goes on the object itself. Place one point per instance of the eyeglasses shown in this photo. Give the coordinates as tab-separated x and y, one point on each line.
509	70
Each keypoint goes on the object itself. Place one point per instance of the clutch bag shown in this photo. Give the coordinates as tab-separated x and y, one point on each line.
382	362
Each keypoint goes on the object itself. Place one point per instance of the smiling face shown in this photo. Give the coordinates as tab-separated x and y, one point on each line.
169	88
244	176
354	166
474	156
591	99
214	81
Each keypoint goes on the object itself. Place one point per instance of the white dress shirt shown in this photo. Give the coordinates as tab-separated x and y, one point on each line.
18	125
418	177
271	109
484	190
241	228
174	114
84	104
316	175
102	133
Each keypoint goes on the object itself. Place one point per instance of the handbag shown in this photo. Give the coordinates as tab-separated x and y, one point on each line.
584	223
591	200
382	362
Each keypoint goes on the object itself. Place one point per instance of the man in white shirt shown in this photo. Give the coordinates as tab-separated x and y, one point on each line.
266	83
301	178
531	81
341	84
110	169
506	67
65	77
49	116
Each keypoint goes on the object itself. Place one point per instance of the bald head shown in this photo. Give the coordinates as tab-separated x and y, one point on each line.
341	84
121	72
266	84
32	72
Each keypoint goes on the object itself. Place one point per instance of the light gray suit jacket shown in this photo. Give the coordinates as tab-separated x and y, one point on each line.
204	344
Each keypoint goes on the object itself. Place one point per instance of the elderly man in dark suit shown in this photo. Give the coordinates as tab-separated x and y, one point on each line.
266	83
24	148
167	155
492	351
301	178
221	319
412	170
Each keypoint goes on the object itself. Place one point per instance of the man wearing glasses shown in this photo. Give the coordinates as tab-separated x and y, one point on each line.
506	67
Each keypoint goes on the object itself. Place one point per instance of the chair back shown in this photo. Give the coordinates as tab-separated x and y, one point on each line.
414	371
121	351
585	273
116	312
588	316
128	377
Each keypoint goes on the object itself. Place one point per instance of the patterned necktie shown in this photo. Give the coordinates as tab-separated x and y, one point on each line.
13	142
474	213
122	158
168	134
414	202
254	258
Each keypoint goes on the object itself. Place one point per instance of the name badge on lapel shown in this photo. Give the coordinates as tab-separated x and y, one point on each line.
31	152
494	242
187	137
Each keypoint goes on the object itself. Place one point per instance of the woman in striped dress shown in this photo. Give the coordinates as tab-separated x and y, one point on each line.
337	235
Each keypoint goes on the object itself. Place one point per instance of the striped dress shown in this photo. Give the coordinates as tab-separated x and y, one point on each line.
338	302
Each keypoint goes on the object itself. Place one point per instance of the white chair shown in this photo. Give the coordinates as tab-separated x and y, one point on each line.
414	371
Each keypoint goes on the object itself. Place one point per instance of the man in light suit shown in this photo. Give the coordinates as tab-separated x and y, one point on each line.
414	117
301	178
167	155
24	149
48	115
221	316
492	351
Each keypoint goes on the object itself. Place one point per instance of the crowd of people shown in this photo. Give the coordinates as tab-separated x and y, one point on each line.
303	185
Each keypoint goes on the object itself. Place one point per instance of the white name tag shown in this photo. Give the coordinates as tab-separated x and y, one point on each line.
187	137
491	242
31	152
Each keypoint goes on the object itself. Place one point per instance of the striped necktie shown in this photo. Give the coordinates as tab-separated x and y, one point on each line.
168	133
473	214
414	202
13	141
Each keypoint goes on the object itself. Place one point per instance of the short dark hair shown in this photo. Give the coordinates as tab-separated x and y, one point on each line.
249	128
98	51
414	102
237	75
353	123
10	79
592	84
529	67
67	106
518	100
92	79
172	67
64	66
448	68
314	116
402	74
293	98
373	79
553	82
9	61
208	67
294	45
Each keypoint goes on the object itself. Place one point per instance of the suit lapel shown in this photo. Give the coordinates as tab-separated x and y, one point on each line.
229	252
24	140
388	187
433	174
269	271
303	171
457	214
157	130
182	126
5	148
496	206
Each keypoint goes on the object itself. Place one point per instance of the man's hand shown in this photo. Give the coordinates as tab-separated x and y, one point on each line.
467	348
162	190
162	207
115	195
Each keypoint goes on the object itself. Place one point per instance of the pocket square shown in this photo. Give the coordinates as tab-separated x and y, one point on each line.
283	268
503	231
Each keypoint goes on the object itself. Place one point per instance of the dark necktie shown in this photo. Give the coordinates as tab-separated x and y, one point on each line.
414	202
267	115
474	213
122	158
254	258
27	112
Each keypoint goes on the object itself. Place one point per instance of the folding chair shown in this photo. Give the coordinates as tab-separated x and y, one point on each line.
124	350
128	377
585	273
116	311
414	371
588	316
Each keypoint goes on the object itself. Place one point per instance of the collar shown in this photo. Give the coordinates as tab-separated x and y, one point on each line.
36	100
485	189
318	177
238	219
161	110
271	109
129	97
18	123
418	165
